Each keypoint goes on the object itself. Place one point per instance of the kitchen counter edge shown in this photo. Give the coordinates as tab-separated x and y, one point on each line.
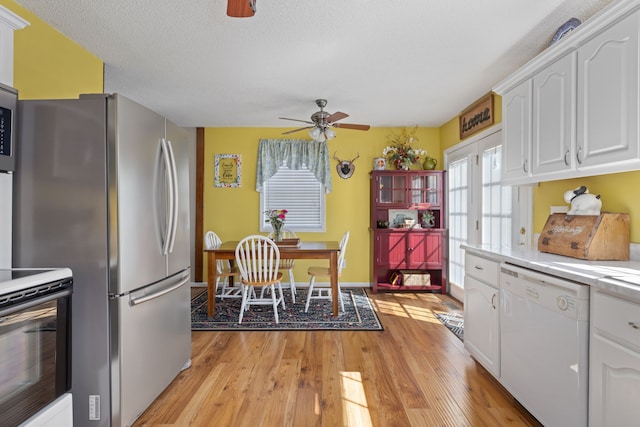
612	277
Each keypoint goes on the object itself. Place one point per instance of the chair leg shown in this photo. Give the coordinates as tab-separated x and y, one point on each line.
245	295
311	283
292	285
340	298
275	302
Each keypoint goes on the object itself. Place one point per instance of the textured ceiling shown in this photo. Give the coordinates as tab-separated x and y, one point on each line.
383	62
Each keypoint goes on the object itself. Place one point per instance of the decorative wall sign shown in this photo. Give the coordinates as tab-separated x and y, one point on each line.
345	168
477	117
228	170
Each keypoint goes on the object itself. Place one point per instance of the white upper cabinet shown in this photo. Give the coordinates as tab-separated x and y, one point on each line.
516	132
554	112
581	114
608	97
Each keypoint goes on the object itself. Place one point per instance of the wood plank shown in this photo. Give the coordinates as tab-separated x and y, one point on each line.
414	373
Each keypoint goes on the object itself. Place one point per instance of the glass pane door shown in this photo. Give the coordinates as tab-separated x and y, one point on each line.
393	190
424	189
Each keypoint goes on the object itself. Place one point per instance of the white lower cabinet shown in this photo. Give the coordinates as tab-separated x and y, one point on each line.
481	312
614	373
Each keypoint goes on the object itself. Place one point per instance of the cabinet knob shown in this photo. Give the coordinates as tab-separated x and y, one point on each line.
493	301
566	155
524	167
478	267
634	325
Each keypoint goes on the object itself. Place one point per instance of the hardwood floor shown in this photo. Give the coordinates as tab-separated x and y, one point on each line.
414	373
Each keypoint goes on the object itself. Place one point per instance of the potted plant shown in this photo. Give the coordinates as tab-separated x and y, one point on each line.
428	219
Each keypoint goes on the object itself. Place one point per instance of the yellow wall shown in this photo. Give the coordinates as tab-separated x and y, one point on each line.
47	64
618	194
235	212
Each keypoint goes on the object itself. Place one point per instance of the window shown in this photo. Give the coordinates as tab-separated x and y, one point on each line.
300	193
480	209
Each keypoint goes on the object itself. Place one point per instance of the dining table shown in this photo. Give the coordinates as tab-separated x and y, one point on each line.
328	250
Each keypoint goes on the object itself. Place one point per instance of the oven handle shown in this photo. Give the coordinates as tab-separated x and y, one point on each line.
6	311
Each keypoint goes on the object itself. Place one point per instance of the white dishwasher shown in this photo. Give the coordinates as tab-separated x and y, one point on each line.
544	333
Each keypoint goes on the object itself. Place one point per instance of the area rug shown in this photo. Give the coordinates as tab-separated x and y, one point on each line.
358	314
454	322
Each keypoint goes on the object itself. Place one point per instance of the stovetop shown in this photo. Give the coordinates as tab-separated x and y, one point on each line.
16	279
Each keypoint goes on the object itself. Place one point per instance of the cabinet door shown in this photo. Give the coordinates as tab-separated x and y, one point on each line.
393	250
392	190
608	96
426	188
554	106
614	383
516	132
481	323
424	250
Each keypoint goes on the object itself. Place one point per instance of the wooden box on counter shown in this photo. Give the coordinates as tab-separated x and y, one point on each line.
604	237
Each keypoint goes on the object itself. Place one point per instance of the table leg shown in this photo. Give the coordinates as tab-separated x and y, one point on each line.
212	274
333	268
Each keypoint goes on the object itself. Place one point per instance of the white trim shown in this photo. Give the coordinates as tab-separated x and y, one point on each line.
12	20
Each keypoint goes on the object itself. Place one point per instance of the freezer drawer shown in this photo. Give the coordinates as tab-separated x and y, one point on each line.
152	344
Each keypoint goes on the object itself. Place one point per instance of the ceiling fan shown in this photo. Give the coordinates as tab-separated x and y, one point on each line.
322	122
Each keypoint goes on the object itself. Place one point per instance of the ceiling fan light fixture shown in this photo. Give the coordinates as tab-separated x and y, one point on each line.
329	133
315	133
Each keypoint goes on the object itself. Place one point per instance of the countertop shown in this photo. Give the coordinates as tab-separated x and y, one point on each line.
620	278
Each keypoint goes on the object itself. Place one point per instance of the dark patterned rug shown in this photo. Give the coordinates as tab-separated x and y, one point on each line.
454	322
358	314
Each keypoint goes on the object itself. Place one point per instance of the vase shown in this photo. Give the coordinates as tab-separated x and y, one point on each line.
277	233
429	163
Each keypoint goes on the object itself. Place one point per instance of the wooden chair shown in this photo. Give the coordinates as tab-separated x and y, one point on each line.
288	264
324	292
223	267
258	259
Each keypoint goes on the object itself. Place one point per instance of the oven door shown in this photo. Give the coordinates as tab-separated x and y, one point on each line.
35	349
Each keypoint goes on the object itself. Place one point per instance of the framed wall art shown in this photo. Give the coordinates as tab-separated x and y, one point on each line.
228	170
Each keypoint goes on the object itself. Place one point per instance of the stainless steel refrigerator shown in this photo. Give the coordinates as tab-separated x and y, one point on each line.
101	186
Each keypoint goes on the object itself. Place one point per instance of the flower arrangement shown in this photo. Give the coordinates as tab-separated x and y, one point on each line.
400	153
276	217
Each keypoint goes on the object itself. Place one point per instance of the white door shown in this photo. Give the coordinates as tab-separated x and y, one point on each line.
480	209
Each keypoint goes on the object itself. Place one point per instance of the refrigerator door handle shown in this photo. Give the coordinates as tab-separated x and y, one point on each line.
167	163
145	298
174	189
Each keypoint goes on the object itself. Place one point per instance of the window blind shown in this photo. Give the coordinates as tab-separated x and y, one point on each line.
300	193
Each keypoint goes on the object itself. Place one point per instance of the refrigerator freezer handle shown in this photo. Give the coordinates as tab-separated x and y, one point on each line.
139	300
167	163
174	189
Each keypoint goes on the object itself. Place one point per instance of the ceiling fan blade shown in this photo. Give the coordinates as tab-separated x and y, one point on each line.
241	8
297	130
338	115
351	126
297	120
